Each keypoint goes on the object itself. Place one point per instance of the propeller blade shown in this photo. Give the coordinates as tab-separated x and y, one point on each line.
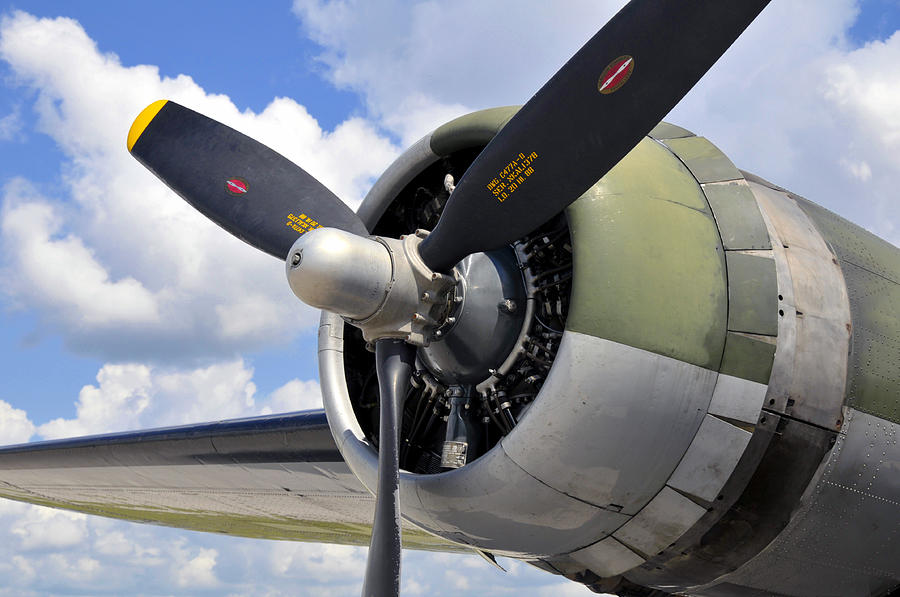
394	361
599	105
240	184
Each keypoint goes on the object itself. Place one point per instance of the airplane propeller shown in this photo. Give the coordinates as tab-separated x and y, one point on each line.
205	161
592	112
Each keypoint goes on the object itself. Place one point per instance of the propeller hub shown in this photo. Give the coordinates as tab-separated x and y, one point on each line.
380	285
340	272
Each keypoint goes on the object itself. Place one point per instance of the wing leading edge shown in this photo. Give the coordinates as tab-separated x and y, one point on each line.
271	477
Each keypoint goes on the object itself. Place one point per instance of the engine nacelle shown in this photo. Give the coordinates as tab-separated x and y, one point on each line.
694	425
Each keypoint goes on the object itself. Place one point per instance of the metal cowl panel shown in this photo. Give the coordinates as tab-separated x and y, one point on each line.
644	339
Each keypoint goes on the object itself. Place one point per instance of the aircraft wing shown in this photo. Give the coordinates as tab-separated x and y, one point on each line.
271	477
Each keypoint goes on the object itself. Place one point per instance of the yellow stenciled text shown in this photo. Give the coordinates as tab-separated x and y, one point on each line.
512	176
302	223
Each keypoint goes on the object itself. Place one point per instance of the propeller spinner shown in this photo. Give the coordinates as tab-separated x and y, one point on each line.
592	112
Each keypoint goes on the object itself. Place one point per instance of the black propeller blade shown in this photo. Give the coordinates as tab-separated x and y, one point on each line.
394	362
578	126
240	184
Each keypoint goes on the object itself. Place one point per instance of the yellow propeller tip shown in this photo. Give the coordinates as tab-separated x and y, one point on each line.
143	119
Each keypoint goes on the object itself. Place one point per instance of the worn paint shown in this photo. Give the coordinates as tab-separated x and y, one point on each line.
649	268
871	268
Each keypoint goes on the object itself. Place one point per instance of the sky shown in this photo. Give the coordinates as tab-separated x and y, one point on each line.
122	308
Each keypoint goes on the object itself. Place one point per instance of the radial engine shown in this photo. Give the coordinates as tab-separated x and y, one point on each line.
686	382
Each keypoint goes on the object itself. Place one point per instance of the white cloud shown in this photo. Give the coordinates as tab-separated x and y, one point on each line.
808	111
43	528
194	568
801	107
11	125
865	83
114	261
15	426
138	396
859	170
418	64
113	543
294	395
115	557
62	273
321	563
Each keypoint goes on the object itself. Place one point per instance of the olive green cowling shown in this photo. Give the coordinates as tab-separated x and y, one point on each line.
649	267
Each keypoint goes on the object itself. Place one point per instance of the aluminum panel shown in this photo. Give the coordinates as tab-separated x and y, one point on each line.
737	399
490	502
809	375
710	459
497	506
737	216
871	268
749	357
844	538
665	130
659	523
752	294
620	420
607	558
704	159
874	376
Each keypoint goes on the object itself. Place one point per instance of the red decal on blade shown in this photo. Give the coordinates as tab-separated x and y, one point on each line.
236	186
615	75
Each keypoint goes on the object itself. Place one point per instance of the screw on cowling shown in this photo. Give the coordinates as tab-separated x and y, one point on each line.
296	258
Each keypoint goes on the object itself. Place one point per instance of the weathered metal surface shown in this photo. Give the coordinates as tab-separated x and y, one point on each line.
809	375
604	558
499	507
665	130
490	502
704	159
737	215
587	434
647	250
749	357
871	268
471	130
737	399
756	505
844	536
752	294
711	458
659	523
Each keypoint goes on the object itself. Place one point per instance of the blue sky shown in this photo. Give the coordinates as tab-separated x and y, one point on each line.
109	293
